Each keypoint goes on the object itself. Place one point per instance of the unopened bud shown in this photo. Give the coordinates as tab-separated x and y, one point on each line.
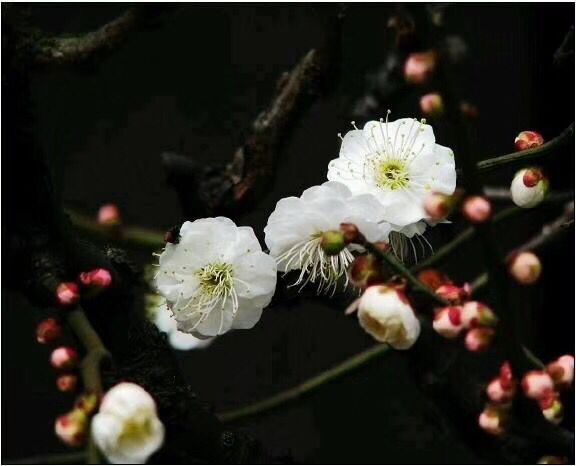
109	215
498	393
476	314
67	294
332	242
172	235
64	358
529	187
419	67
528	140
366	271
492	420
479	339
351	233
468	110
88	403
96	280
452	293
72	427
476	209
67	382
448	321
562	371
432	279
537	384
432	105
525	267
48	331
437	206
506	377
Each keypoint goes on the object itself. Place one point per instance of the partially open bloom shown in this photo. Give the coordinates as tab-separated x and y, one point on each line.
64	358
216	278
528	140
72	427
529	187
525	267
48	331
166	323
419	67
448	321
537	384
491	420
477	314
67	294
296	230
432	105
96	280
127	429
385	313
109	215
476	209
478	339
399	163
562	371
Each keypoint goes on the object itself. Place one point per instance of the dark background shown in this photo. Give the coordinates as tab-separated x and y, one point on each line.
194	84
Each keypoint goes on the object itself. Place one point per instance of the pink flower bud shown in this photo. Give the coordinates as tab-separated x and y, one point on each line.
366	271
476	314
506	377
72	427
109	215
562	371
448	321
432	105
537	384
552	408
419	67
67	294
528	140
479	339
437	205
525	267
498	393
491	420
96	280
88	403
476	209
48	331
67	382
64	358
453	293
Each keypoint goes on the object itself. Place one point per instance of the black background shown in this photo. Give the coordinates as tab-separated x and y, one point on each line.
194	84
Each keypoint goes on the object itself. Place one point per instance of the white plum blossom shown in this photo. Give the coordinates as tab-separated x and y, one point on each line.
529	187
399	163
385	313
295	228
127	429
216	277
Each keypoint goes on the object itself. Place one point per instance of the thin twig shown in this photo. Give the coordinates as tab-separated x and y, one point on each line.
298	391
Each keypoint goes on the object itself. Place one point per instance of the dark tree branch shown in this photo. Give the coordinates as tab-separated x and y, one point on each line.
206	191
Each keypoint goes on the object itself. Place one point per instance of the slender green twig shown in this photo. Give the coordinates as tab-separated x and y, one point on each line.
298	391
529	154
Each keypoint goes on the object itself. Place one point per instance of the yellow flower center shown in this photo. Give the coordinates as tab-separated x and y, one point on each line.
215	279
392	175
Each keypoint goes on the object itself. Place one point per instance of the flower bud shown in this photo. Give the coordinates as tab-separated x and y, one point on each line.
351	233
491	420
72	427
552	408
432	105
67	294
88	403
109	215
437	206
476	209
562	371
64	358
432	279
419	67
479	339
67	382
332	242
468	110
529	187
476	314
537	384
448	321
525	267
365	271
173	235
48	331
453	293
96	280
498	393
528	140
506	377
